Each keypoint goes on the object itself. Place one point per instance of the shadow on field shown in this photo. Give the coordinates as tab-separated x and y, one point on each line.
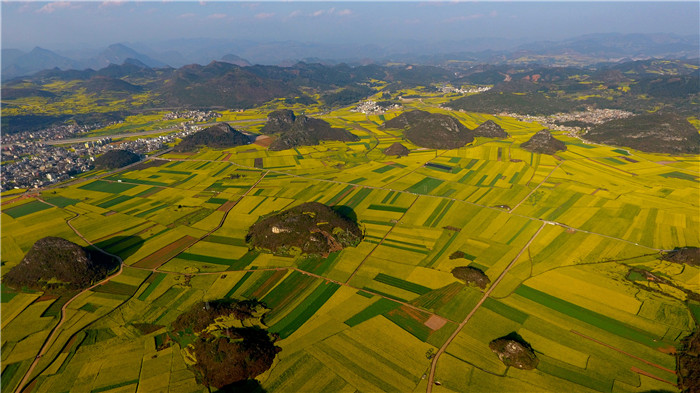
346	211
123	246
658	391
247	386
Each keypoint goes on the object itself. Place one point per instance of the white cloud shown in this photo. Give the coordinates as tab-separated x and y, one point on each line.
332	11
217	16
264	15
187	15
463	18
109	3
294	14
51	7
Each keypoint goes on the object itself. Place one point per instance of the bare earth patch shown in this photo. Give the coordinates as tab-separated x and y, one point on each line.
263	140
435	322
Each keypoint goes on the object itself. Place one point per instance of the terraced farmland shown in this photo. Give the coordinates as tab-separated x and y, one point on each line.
556	235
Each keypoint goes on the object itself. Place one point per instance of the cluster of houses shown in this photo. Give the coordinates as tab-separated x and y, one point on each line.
375	108
592	117
193	116
29	164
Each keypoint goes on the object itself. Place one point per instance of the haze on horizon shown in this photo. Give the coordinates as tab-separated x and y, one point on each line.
81	25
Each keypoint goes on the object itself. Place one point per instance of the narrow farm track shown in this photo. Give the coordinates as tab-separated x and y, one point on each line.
380	242
624	353
56	328
433	365
139	133
24	383
424	195
221	223
537	187
27	379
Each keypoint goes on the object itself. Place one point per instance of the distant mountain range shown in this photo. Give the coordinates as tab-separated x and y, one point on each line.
578	51
17	63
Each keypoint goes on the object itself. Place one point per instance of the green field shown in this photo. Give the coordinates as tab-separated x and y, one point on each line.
370	317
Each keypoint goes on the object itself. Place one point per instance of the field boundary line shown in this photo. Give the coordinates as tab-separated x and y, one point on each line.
216	228
623	352
537	187
310	178
23	383
650	375
380	242
433	365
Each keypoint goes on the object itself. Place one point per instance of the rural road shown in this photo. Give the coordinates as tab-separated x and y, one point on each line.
22	385
139	133
56	328
433	366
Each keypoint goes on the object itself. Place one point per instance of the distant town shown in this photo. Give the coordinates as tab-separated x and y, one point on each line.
29	162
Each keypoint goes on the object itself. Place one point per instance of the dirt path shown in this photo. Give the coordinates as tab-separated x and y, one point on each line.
624	353
380	242
138	133
537	187
56	328
433	366
650	375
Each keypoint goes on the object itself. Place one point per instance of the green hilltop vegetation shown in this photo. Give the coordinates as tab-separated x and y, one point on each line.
298	130
54	97
341	266
513	351
225	341
431	130
55	264
114	159
218	136
489	129
471	275
396	149
307	229
115	92
655	132
687	255
543	142
636	86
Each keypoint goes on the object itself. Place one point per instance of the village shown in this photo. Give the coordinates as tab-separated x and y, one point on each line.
34	164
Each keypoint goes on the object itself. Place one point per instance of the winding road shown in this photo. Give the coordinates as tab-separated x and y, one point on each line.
56	328
27	378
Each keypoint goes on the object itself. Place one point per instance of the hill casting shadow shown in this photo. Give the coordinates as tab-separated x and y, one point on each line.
123	246
247	386
346	211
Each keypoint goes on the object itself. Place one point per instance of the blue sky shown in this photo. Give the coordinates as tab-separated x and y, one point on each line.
93	24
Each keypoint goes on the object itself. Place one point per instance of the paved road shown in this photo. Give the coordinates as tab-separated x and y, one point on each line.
442	349
433	366
139	133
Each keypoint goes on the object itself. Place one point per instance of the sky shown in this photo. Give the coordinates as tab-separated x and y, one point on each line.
71	25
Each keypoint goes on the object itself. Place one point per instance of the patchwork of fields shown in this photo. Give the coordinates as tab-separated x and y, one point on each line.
371	318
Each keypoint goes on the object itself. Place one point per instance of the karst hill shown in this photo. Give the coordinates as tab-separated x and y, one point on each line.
54	263
431	130
311	228
298	130
218	136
